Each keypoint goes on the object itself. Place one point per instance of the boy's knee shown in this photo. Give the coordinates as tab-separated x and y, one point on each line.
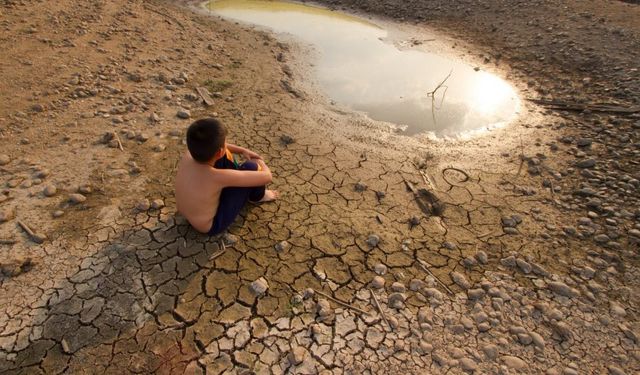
249	165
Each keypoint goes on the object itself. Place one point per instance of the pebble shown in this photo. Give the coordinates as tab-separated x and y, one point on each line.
513	362
468	364
286	139
377	282
77	198
393	322
490	351
282	246
4	159
615	370
587	163
482	257
50	191
142	205
538	341
398	287
57	213
183	114
380	269
157	204
373	240
360	186
416	285
229	239
396	300
562	289
461	280
308	293
7	214
297	355
259	286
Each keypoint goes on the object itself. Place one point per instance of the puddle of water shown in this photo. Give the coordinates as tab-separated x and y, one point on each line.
358	69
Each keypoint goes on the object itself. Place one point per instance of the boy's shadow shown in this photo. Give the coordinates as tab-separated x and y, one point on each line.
133	281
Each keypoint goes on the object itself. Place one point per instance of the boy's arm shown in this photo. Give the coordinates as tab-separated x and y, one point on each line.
232	177
248	154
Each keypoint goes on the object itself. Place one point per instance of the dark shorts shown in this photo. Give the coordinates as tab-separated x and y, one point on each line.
232	199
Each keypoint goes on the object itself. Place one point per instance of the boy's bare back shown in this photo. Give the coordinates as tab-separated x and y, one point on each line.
197	194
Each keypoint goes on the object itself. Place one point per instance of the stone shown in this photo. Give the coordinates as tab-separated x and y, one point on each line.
615	370
77	198
476	294
4	159
373	240
259	286
323	307
286	139
468	364
142	205
562	289
308	293
460	280
482	257
513	362
229	239
380	269
490	351
297	355
282	246
50	190
183	114
157	204
398	287
57	213
416	285
537	339
396	300
360	186
587	163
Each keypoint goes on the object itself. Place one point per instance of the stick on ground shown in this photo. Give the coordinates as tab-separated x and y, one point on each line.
342	303
425	266
375	302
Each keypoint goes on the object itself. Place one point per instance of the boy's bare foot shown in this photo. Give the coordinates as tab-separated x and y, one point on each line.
270	195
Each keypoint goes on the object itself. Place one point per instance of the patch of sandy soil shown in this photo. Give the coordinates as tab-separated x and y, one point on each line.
532	267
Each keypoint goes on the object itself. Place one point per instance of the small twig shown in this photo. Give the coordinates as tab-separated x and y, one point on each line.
7	241
342	303
425	267
26	228
432	95
486	234
377	304
119	142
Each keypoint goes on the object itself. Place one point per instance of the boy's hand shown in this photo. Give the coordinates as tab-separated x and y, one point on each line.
248	154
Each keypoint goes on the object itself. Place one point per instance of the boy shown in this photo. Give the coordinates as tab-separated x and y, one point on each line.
211	188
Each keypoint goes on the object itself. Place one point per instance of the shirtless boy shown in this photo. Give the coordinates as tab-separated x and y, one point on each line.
211	188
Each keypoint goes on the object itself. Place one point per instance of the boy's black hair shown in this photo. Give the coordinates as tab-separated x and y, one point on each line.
204	138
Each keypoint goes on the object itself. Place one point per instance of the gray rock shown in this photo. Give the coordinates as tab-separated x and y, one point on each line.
396	300
4	159
513	362
373	240
476	294
297	355
77	198
308	293
380	269
482	257
50	190
360	186
584	142
416	285
524	266
490	351
183	114
538	341
468	364
142	205
509	261
229	239
259	286
615	370
587	163
398	287
461	280
377	282
157	204
562	289
282	246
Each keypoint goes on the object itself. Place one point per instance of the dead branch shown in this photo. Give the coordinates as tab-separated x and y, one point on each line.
377	304
341	303
432	95
425	266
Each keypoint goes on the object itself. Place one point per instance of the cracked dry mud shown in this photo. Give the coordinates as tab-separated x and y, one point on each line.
541	258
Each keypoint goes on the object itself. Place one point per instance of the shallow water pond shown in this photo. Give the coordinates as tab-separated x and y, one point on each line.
358	69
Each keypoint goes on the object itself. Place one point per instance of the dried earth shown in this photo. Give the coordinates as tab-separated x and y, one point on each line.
537	247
